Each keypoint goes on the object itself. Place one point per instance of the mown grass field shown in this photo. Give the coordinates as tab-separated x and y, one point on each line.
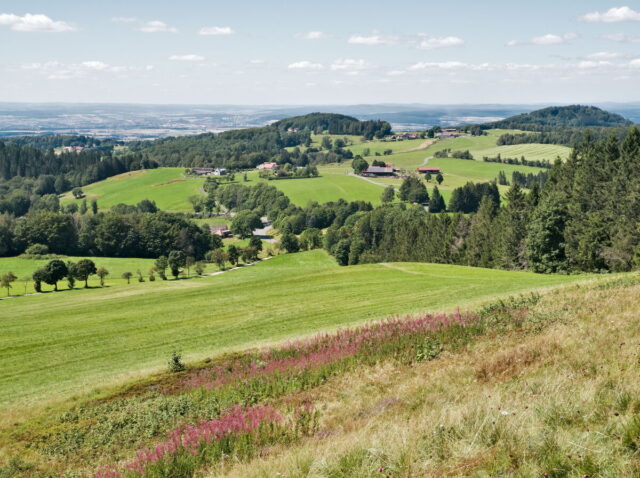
333	183
168	187
58	344
530	151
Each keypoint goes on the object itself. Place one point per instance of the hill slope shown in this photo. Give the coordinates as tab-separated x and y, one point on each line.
574	116
71	339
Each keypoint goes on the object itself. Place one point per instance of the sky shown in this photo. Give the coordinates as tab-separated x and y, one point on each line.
331	52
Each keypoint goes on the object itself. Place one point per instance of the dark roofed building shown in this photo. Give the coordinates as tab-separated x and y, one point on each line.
387	170
222	230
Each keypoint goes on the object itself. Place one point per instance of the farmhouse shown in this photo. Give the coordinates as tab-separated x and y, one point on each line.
429	170
376	171
222	230
202	171
267	166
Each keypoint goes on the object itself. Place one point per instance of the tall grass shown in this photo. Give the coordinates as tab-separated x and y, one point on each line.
234	406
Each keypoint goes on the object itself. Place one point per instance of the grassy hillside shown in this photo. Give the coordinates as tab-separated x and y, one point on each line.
54	345
556	397
166	186
333	183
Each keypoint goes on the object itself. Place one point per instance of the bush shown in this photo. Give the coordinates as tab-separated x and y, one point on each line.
37	250
175	363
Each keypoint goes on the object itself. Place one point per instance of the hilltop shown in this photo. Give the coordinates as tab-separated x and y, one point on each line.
574	116
336	124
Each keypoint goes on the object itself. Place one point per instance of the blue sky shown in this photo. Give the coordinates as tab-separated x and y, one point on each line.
330	52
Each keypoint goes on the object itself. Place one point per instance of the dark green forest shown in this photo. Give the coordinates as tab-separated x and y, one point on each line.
335	124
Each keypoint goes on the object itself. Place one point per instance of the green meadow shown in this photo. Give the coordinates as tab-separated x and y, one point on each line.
168	187
333	183
55	345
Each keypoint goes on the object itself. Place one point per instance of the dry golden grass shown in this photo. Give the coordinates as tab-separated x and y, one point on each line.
559	399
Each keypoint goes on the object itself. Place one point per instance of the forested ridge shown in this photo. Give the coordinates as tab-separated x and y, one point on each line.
563	125
574	116
336	124
586	218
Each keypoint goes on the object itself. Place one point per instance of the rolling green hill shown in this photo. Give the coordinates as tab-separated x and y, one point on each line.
574	116
54	345
168	187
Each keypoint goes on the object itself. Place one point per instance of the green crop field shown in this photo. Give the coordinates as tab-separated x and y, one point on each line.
166	186
57	344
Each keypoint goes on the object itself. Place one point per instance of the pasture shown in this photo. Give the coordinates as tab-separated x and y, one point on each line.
168	187
333	183
59	344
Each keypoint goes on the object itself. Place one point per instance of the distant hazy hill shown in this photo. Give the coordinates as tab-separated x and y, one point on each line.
335	124
575	116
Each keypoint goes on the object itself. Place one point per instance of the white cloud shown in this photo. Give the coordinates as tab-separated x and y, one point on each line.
604	55
156	26
190	57
442	65
613	15
55	70
621	38
635	63
313	35
305	65
431	43
95	65
123	20
216	31
371	40
396	72
349	64
257	61
513	43
34	23
590	64
551	39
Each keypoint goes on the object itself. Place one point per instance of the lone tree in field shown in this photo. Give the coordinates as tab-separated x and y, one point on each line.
161	265
83	269
77	193
439	178
233	254
38	279
359	165
94	206
219	257
54	272
388	194
102	273
199	268
176	260
128	276
6	280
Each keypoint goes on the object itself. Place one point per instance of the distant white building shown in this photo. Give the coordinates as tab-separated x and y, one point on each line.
267	166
